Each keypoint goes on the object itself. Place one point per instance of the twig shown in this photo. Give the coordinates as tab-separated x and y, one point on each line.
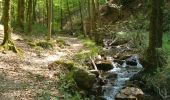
94	65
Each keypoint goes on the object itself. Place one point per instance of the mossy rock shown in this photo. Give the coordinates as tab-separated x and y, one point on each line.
32	44
61	43
84	79
45	45
69	65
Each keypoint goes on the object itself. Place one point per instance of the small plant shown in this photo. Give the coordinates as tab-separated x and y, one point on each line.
68	87
159	82
91	51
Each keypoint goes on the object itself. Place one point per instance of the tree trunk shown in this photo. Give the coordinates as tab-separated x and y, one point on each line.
47	3
20	17
89	14
69	12
81	16
34	10
7	22
30	16
49	20
61	15
155	35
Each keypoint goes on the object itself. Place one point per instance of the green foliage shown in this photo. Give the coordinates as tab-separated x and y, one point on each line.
46	95
61	43
139	22
166	19
67	64
91	51
38	30
160	82
68	87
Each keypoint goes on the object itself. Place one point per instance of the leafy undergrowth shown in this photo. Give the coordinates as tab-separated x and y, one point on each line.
90	50
159	82
68	86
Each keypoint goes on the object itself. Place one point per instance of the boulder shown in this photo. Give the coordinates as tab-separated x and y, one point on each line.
132	61
104	65
84	79
130	93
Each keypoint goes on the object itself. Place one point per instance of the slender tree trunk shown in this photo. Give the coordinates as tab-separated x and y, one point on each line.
69	12
93	19
160	23
20	17
61	15
34	10
155	35
44	15
53	19
30	4
49	20
89	14
81	16
97	7
7	22
47	3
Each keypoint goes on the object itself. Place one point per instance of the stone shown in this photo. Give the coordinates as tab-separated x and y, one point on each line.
104	65
130	93
132	61
119	61
111	75
84	79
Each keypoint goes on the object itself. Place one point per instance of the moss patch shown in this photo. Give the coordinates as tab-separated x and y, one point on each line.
45	45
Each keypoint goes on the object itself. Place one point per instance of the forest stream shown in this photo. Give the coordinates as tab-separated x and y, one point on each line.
123	75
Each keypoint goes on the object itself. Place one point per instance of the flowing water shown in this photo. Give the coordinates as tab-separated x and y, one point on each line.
124	74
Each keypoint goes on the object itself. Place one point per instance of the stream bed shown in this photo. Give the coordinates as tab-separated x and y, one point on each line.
124	73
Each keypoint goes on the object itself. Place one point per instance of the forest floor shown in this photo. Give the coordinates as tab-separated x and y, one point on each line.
27	77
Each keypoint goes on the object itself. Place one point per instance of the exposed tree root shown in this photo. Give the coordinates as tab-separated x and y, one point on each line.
9	46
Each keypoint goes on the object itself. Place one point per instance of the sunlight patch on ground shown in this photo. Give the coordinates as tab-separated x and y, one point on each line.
53	58
31	68
76	45
1	27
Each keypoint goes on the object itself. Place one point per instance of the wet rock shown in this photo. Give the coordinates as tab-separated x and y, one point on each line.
111	75
101	81
100	98
104	65
119	61
125	97
84	79
124	57
130	93
132	61
97	90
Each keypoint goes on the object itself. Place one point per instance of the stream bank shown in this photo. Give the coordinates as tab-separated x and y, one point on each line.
109	74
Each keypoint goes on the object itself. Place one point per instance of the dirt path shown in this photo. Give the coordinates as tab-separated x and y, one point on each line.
28	77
